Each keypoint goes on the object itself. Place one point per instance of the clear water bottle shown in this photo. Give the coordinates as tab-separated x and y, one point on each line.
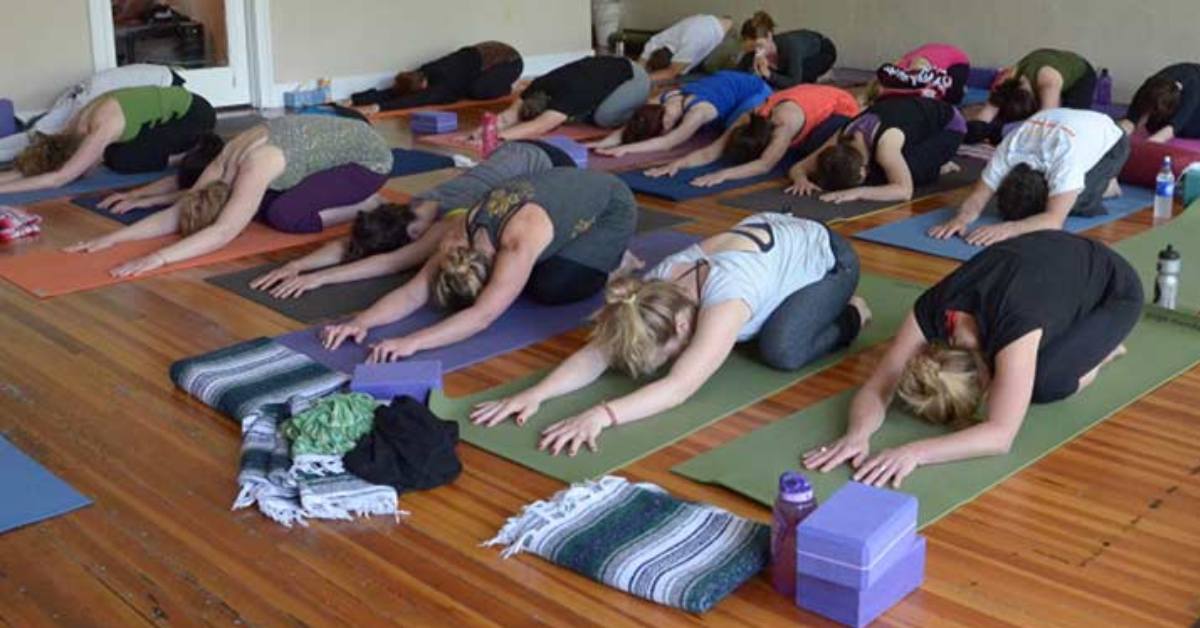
794	502
1166	284
1164	190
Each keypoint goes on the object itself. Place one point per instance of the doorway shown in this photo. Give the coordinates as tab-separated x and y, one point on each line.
204	41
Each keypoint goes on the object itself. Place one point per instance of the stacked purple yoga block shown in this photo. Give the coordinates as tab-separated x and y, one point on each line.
576	151
411	378
8	118
433	122
859	554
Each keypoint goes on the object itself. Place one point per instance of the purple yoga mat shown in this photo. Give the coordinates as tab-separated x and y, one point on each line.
631	161
523	324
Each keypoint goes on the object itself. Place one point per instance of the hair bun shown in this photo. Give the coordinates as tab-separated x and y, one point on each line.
622	290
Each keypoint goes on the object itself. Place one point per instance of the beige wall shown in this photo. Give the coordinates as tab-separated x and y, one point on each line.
317	38
45	46
1133	39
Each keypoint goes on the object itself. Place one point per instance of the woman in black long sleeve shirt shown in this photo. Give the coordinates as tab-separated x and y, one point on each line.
784	59
483	71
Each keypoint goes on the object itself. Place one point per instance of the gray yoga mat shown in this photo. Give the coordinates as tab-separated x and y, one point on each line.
339	300
777	200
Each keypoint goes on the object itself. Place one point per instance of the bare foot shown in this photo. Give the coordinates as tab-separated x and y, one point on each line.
950	167
1120	351
1113	190
630	264
864	312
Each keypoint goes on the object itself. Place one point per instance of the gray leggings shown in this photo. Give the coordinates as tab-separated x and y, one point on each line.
816	319
1095	182
618	107
512	159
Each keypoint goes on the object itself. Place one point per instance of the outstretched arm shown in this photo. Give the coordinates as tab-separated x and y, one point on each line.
396	305
537	127
781	138
968	212
889	155
801	173
89	154
695	118
1058	207
579	370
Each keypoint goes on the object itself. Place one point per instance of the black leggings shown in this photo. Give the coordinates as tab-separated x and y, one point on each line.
1067	358
558	280
1082	93
958	73
925	159
151	150
495	82
1095	182
817	65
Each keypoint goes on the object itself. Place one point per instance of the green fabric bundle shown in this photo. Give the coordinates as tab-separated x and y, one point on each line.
332	426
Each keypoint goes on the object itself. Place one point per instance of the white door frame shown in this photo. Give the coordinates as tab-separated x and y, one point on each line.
251	57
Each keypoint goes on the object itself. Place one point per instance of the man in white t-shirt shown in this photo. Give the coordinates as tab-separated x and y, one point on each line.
1058	163
683	45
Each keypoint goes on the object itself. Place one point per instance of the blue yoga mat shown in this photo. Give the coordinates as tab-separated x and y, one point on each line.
524	323
911	233
409	161
91	202
975	96
103	179
29	493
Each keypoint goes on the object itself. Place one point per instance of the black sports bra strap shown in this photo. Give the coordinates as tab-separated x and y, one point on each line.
763	246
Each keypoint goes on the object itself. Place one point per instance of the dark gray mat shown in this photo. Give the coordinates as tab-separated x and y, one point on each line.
339	300
776	200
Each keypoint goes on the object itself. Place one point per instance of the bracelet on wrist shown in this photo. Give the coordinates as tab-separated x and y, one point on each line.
612	416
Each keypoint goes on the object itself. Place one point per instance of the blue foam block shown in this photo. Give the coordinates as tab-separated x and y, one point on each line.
29	493
576	151
102	179
975	96
413	378
855	607
856	536
911	233
8	118
407	161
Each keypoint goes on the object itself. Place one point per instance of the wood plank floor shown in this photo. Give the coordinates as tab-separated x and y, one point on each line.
1105	531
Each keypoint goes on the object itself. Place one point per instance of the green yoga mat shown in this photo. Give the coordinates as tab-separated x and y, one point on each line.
740	382
1163	345
1183	233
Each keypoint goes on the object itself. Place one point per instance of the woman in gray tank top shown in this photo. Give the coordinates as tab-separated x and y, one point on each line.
786	282
555	237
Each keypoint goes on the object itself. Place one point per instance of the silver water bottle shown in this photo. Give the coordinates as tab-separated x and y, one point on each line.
1166	285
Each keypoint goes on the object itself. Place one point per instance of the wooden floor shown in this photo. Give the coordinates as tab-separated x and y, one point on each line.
1103	532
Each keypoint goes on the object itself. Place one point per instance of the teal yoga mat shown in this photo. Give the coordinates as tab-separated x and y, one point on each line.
1163	345
741	381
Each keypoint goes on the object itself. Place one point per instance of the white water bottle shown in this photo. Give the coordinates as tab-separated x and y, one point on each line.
1164	190
1166	284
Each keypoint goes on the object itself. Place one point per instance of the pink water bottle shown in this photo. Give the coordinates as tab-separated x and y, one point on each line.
794	502
491	133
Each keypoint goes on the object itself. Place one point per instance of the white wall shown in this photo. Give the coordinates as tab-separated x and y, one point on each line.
45	45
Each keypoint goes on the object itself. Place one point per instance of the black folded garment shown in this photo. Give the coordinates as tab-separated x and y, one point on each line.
409	448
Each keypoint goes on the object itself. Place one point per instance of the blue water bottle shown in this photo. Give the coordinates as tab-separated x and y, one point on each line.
1164	190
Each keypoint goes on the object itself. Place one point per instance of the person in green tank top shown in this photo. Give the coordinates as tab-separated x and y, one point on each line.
137	129
1043	79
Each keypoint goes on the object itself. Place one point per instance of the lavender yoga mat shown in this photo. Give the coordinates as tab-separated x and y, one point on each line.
523	324
645	160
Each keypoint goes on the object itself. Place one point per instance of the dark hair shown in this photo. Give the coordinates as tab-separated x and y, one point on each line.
748	141
533	104
409	82
1157	99
196	160
379	231
47	152
647	122
840	166
659	59
1014	101
1022	193
759	25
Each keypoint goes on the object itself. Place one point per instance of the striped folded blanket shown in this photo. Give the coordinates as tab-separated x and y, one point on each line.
639	539
16	223
261	384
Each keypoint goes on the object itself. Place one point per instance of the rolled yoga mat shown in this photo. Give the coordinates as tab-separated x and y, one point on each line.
338	300
912	233
1183	233
1161	346
741	381
102	179
523	324
814	208
29	493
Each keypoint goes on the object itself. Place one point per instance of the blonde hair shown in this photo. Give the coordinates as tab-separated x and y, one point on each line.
637	318
460	278
943	384
200	208
47	153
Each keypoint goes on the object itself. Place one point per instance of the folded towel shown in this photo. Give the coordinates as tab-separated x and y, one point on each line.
639	539
16	223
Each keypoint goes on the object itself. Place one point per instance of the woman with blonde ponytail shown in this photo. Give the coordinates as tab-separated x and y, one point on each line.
1029	320
298	174
556	237
787	282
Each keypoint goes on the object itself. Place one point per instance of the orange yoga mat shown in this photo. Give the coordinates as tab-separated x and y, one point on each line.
458	140
49	272
454	106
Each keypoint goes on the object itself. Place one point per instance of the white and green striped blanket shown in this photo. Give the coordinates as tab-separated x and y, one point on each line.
639	539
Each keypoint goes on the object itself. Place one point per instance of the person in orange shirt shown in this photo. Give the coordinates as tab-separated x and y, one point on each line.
883	154
757	142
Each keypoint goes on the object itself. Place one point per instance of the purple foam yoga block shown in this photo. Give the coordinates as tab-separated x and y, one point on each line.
855	607
8	119
576	151
433	122
856	535
412	378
